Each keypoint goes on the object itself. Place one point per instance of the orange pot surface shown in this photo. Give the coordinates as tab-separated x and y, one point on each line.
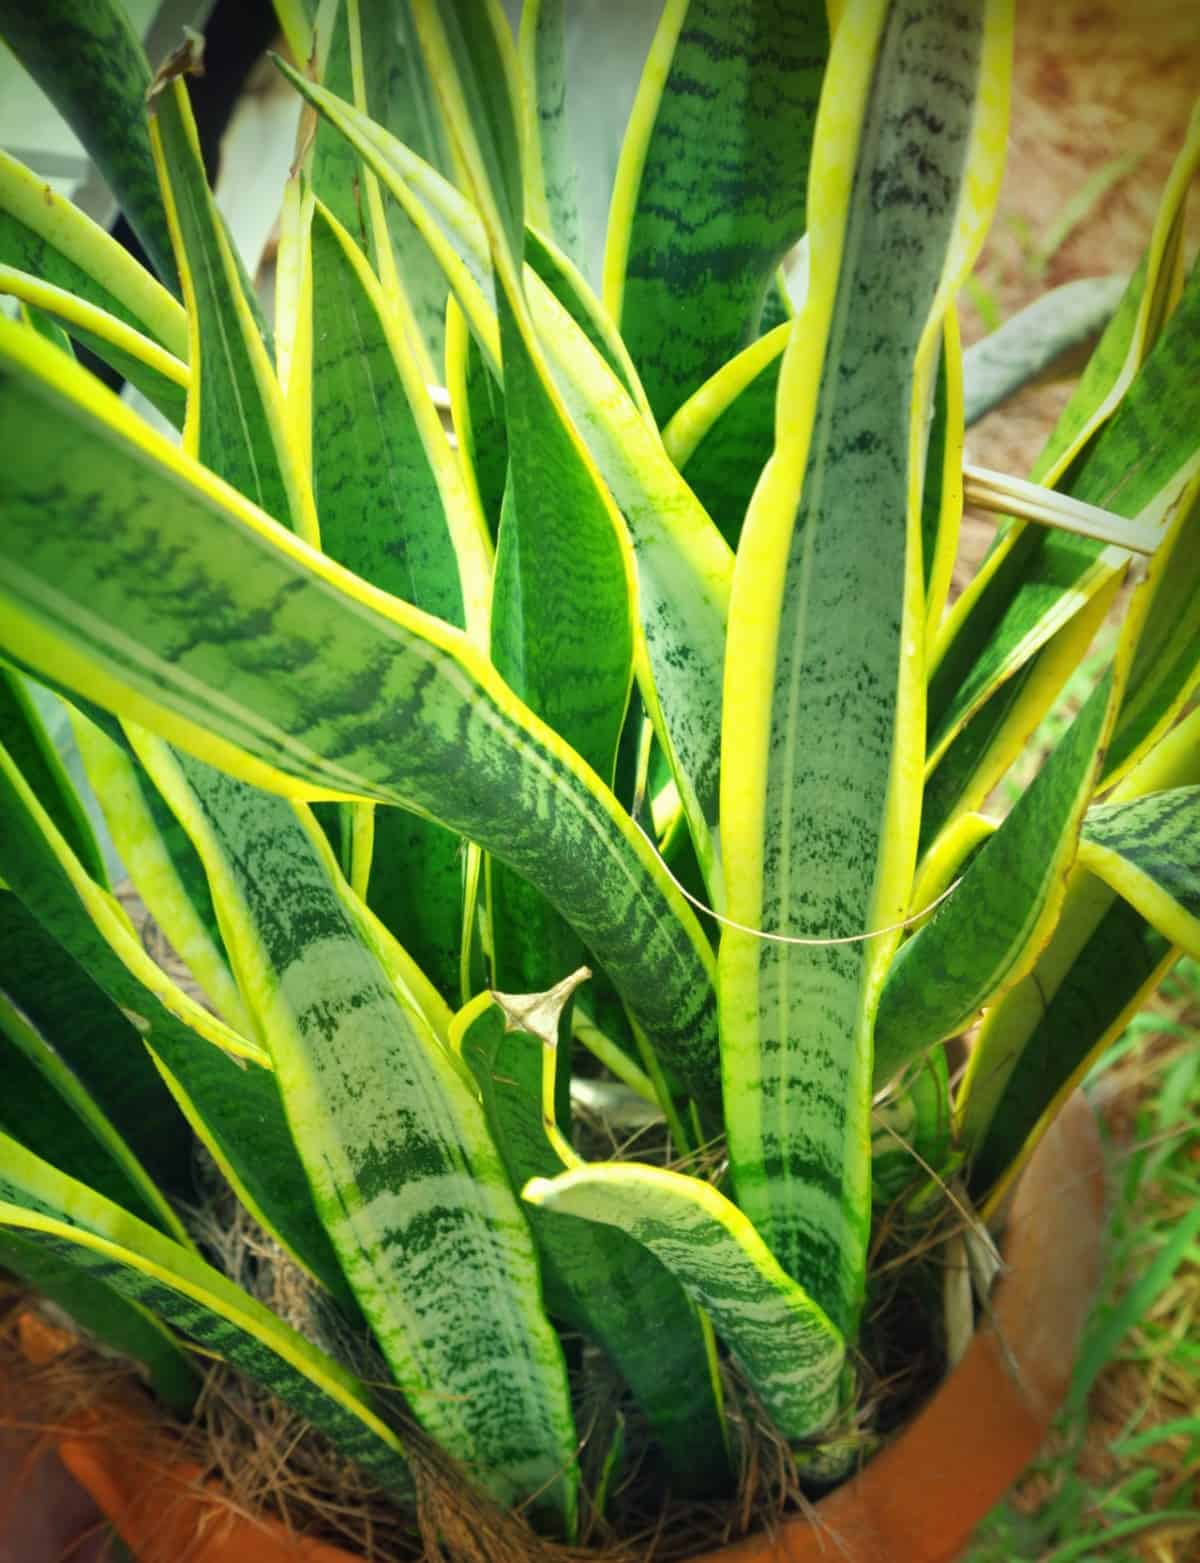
916	1502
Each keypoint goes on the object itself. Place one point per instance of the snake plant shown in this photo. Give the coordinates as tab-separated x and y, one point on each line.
472	627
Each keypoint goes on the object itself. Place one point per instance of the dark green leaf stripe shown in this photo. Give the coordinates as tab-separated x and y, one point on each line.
243	643
44	235
1148	850
987	934
35	756
119	1324
819	801
477	409
551	190
85	57
597	1279
236	1110
97	1042
1018	351
1166	665
45	1107
235	410
78	1227
712	186
787	1347
406	1182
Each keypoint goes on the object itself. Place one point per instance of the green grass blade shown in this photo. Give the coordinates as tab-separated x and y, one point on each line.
44	235
76	1226
1036	337
235	421
712	184
375	674
787	1347
85	57
988	933
404	1176
551	180
597	1279
1148	851
821	747
49	1110
119	1324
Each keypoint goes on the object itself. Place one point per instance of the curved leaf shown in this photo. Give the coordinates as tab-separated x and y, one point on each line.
45	235
404	1179
238	641
787	1347
1148	851
599	1280
85	57
74	1225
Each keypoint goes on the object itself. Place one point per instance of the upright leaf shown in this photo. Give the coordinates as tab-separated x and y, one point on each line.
405	1179
711	189
821	747
550	176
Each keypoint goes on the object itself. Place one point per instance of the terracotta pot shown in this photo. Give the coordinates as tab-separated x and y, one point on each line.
916	1502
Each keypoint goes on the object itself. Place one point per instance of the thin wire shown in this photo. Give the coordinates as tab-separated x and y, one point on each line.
788	938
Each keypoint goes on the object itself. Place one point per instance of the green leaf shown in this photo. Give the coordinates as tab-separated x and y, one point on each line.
33	752
373	61
160	861
404	1176
975	637
711	189
395	510
1034	338
76	1226
477	411
600	1281
235	1111
161	377
85	57
119	1324
787	1347
941	498
50	1112
235	420
1148	851
821	752
239	642
98	1043
990	930
44	235
1166	664
551	198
